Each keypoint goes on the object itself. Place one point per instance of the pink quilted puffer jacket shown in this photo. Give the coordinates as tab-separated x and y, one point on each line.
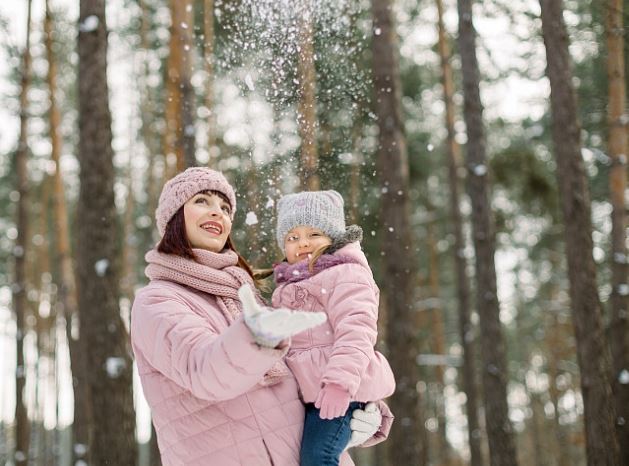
341	350
202	378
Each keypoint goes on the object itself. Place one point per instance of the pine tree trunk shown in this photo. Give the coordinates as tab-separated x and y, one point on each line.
155	458
98	261
208	54
150	137
407	445
354	175
129	245
180	105
453	154
20	251
618	147
502	450
561	446
438	345
592	346
307	108
82	425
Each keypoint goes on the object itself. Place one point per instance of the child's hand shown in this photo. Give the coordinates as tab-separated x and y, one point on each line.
333	401
268	327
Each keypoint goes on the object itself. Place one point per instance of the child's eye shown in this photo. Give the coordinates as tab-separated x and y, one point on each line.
315	234
200	200
227	209
292	238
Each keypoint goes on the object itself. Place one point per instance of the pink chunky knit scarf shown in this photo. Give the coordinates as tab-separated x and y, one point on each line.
213	273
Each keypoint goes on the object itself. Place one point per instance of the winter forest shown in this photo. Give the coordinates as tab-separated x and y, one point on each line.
482	147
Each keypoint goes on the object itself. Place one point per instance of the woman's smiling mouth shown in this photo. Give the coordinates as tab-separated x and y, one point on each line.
213	227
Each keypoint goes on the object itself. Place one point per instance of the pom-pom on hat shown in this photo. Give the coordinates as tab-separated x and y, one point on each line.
178	190
317	209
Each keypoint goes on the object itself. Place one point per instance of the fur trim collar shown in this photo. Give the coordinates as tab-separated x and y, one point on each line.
291	273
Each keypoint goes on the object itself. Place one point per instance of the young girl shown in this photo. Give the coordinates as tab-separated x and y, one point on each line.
335	364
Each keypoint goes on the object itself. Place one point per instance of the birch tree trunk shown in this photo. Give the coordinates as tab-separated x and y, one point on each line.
407	445
617	146
98	255
453	154
20	251
592	347
502	449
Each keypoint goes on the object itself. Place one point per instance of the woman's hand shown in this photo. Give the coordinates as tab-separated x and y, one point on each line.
364	424
268	327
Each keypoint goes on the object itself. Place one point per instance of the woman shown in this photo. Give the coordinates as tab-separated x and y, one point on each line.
218	395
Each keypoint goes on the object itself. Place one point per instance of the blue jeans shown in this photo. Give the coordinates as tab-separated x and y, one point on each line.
325	439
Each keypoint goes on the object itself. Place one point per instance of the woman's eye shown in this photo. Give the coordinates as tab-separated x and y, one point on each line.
201	200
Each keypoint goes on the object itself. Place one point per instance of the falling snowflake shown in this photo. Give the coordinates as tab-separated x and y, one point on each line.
480	170
89	24
80	449
249	82
114	366
101	267
252	218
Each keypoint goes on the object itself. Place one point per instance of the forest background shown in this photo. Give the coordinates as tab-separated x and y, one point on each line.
486	165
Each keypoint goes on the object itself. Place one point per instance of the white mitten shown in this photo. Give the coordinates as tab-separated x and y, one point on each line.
269	327
364	424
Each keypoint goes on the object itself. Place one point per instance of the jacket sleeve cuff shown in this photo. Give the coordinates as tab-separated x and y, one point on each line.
385	425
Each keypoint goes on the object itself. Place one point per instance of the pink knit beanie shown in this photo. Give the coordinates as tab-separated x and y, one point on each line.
186	184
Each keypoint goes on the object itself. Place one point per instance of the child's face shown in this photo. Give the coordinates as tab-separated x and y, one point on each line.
302	241
208	221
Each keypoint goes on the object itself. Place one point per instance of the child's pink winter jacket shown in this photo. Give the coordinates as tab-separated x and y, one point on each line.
341	350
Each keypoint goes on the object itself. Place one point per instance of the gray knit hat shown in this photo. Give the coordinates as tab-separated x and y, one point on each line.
318	209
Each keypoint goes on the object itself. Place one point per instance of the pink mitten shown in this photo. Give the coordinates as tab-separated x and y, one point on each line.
333	401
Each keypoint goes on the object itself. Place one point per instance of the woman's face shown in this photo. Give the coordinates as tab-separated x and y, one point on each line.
208	221
302	241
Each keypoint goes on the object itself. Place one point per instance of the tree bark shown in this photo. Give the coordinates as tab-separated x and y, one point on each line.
155	458
307	108
617	147
407	444
98	255
150	136
438	345
560	446
180	105
68	309
20	251
502	449
453	154
208	54
592	347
